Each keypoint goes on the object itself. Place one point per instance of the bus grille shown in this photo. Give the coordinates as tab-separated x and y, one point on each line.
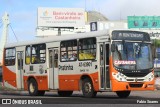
132	80
135	74
135	85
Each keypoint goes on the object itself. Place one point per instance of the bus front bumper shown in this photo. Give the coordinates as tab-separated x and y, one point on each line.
132	86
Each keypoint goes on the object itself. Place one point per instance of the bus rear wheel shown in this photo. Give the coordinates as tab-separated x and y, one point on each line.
87	88
123	94
33	88
65	93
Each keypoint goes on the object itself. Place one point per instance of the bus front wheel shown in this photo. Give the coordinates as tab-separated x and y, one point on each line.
87	88
123	94
33	88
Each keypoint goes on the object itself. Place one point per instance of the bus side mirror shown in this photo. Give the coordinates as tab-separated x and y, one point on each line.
113	47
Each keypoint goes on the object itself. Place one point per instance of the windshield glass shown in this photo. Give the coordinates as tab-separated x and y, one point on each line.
132	55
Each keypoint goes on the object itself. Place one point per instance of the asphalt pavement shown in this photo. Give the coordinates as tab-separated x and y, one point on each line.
77	97
105	99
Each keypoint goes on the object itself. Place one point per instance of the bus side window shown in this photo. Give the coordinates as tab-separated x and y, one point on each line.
10	56
68	50
56	58
81	56
87	49
28	55
20	61
34	55
38	54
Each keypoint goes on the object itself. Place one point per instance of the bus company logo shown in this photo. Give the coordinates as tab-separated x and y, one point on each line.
6	101
21	101
41	70
136	79
65	67
45	13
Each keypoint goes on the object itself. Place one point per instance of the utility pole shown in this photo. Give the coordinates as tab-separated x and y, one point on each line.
5	21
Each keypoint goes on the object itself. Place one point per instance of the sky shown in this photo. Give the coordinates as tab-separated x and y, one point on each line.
23	13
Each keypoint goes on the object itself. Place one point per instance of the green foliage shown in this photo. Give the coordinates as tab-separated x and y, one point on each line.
156	43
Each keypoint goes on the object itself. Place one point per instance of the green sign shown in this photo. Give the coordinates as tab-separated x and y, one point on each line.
143	21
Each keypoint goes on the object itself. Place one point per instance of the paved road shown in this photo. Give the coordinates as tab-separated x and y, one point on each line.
140	97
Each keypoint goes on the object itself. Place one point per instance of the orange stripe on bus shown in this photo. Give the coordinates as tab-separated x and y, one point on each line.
42	82
72	82
25	78
9	76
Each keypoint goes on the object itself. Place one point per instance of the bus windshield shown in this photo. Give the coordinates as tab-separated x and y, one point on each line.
132	55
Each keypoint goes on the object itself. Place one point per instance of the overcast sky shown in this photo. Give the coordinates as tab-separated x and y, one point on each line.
23	13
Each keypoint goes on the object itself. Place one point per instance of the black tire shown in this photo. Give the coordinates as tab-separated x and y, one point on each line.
32	87
41	93
65	93
123	94
87	88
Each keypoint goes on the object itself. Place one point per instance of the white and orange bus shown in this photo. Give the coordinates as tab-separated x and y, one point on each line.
119	61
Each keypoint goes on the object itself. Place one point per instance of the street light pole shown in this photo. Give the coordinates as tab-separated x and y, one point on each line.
5	21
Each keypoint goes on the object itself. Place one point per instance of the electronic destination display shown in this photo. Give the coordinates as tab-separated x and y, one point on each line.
130	35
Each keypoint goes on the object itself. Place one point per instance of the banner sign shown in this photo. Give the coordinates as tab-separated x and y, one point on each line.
143	22
61	17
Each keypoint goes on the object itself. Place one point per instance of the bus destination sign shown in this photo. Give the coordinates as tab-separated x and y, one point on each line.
130	35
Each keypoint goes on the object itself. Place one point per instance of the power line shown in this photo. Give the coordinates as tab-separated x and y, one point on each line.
13	32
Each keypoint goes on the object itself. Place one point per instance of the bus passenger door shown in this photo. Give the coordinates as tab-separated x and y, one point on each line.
104	66
53	68
20	71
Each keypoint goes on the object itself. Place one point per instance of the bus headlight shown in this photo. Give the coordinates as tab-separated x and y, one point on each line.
149	77
119	76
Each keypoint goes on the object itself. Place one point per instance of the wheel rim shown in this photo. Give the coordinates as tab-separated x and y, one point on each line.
31	87
87	88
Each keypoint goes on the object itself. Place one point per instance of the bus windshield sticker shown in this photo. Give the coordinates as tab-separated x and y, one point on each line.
124	62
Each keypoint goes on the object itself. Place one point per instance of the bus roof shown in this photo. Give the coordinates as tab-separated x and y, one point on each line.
68	37
59	38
